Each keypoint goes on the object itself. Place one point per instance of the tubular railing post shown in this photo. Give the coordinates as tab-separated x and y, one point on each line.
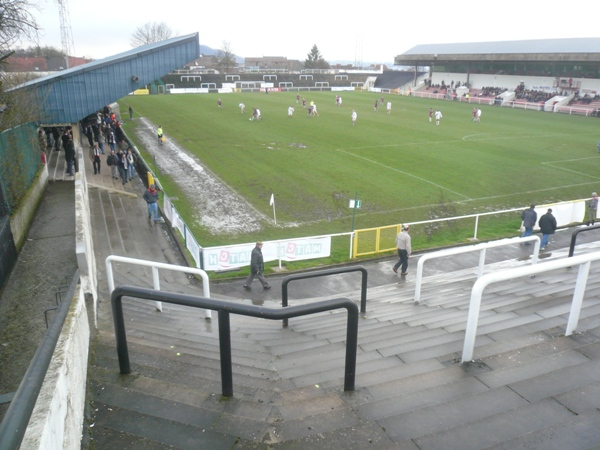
472	320
363	292
284	299
476	226
225	348
582	277
351	346
156	284
120	335
481	262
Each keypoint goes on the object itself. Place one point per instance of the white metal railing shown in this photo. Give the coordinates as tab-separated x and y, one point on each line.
583	261
481	248
155	278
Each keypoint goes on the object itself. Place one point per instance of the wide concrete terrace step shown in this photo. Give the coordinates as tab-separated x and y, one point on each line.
411	391
528	386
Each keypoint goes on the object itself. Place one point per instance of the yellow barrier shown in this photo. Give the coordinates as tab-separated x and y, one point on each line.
370	241
141	92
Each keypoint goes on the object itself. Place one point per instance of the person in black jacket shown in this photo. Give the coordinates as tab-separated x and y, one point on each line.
547	225
257	267
70	156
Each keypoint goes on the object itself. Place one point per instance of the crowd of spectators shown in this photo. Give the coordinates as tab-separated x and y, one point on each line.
491	91
586	98
532	95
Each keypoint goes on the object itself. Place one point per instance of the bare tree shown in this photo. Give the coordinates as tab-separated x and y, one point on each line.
151	32
16	22
225	58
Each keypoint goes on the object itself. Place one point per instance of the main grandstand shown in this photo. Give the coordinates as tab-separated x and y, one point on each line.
567	71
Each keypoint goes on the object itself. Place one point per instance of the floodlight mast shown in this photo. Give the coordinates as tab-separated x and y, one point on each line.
66	34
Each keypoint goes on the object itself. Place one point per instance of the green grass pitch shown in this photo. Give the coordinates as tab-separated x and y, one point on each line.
400	164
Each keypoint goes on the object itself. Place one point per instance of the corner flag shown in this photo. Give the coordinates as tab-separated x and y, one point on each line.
272	203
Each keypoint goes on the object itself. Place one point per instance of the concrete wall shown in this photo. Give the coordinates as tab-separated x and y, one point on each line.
21	218
57	418
84	243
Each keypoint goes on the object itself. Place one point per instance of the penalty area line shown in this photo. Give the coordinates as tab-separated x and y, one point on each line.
404	173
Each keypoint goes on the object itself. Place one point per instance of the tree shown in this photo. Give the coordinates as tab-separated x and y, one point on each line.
225	58
314	59
151	32
16	22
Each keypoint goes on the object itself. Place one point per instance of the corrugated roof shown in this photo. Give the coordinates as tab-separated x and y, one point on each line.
535	46
72	94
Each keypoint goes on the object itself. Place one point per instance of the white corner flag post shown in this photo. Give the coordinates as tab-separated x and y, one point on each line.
272	203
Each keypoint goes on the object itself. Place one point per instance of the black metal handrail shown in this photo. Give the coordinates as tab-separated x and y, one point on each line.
14	425
224	309
323	273
574	237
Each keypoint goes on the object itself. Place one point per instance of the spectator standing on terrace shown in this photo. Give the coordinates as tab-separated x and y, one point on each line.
529	217
290	112
112	162
547	227
70	156
354	116
592	209
95	153
438	116
101	140
151	198
112	141
90	135
404	250
242	107
257	268
130	164
122	165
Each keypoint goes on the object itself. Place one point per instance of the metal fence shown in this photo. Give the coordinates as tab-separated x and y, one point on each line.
20	161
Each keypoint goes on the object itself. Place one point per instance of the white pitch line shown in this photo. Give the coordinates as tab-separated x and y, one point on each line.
404	173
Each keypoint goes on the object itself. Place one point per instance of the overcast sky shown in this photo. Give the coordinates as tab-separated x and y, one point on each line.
341	31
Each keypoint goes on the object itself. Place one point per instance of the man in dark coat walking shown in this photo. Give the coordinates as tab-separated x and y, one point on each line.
257	267
547	225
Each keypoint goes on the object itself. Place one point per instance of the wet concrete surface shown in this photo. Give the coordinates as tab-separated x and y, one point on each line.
47	257
380	271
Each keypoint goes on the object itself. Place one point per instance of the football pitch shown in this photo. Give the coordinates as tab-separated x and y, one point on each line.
400	166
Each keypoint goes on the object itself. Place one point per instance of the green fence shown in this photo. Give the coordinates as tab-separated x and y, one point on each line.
20	160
